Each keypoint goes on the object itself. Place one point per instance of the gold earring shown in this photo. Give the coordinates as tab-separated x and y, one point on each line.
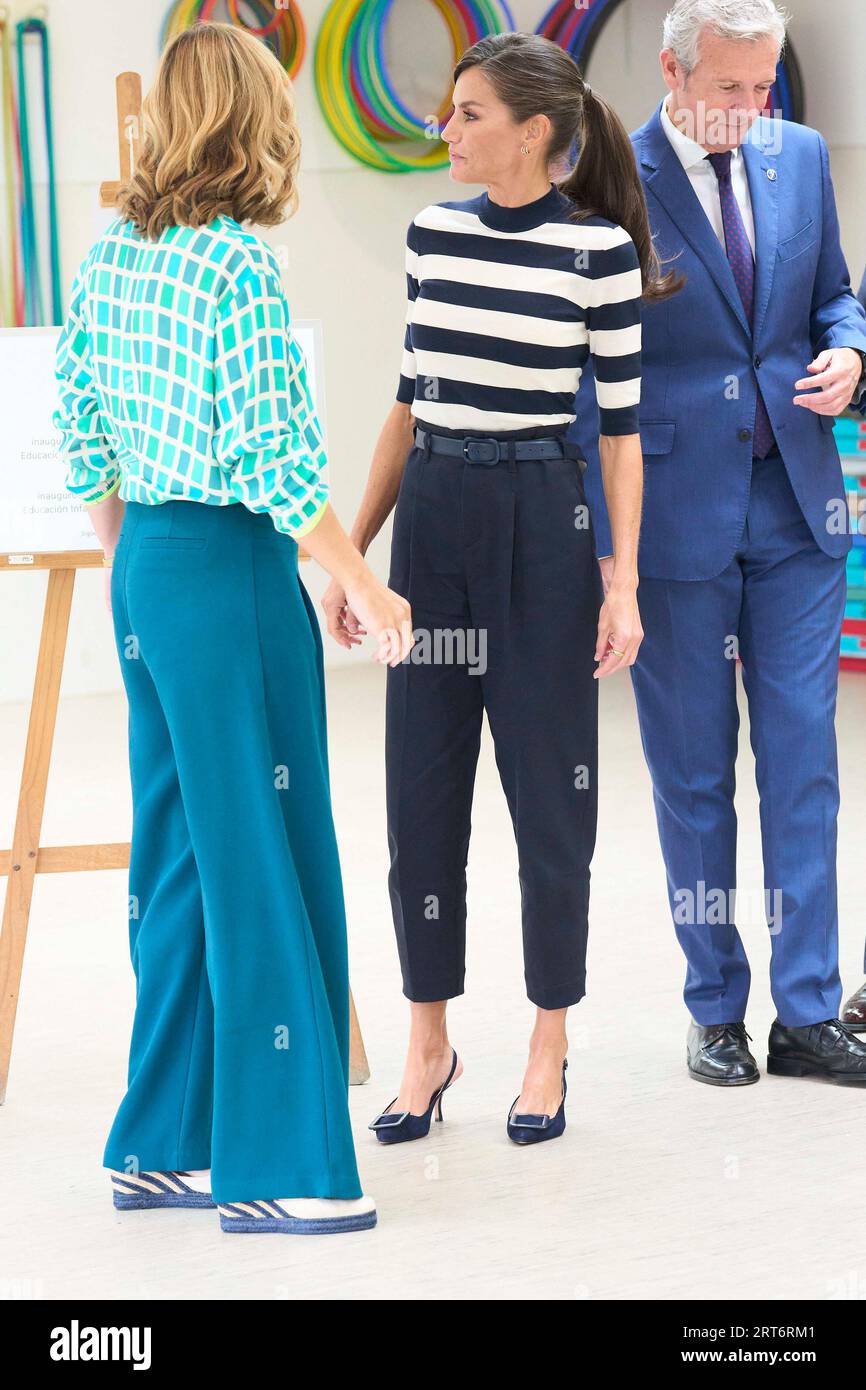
524	149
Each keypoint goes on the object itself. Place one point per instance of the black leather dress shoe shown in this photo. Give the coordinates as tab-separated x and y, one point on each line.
854	1012
718	1053
828	1049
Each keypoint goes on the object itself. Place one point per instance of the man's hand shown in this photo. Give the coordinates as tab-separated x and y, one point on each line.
837	372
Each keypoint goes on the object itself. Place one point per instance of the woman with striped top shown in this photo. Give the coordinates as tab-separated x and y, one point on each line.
508	295
190	434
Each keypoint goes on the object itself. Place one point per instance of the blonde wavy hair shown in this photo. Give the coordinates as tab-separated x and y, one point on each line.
219	135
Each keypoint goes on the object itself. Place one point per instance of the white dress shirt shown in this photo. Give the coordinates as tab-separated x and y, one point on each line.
703	179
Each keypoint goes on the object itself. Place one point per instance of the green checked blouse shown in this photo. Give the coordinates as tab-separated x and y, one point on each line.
179	377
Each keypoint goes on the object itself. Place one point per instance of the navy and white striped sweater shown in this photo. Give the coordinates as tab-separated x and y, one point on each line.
505	305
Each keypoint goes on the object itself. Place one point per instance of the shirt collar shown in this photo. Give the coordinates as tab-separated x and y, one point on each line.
688	151
522	218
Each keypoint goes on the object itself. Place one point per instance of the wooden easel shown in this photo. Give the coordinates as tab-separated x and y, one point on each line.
27	857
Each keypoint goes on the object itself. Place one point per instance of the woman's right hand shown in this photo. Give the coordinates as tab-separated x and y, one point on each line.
356	602
370	607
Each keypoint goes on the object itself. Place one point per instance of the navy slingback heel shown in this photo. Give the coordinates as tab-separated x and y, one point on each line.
398	1126
532	1129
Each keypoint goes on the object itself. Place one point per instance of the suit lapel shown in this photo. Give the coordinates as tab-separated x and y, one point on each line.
669	182
764	189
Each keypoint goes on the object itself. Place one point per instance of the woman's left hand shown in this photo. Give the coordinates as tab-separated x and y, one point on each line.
606	567
619	630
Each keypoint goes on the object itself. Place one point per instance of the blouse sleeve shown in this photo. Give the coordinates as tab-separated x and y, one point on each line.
406	387
266	432
92	471
613	289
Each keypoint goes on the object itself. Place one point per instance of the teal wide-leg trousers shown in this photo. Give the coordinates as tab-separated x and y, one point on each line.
239	1053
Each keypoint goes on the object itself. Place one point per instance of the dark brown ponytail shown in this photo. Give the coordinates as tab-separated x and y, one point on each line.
534	76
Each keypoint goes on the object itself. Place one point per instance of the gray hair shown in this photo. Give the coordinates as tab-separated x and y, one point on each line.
730	19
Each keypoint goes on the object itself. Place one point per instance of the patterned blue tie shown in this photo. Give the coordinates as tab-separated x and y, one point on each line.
743	266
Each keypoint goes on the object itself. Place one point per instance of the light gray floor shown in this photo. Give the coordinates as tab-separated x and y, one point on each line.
660	1187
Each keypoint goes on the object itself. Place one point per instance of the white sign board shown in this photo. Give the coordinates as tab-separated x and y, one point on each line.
37	512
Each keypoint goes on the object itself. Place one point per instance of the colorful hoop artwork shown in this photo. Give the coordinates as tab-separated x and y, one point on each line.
355	90
578	28
24	302
281	26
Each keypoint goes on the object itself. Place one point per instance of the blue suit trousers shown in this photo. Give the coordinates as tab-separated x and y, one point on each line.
779	603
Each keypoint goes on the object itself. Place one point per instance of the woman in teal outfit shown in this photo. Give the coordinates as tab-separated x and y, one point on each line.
190	433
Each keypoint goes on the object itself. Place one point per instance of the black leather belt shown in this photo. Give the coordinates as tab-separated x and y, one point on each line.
491	451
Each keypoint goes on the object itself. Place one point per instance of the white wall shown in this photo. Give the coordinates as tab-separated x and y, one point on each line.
345	244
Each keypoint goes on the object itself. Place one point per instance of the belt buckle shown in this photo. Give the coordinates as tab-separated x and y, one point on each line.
472	444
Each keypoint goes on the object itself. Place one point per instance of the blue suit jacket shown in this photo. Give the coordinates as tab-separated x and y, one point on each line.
701	363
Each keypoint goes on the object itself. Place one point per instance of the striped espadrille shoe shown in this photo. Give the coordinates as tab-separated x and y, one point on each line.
162	1189
299	1216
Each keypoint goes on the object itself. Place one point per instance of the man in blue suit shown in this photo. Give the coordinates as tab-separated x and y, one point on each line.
744	532
854	1013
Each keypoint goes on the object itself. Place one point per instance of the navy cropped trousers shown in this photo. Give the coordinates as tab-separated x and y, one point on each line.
498	563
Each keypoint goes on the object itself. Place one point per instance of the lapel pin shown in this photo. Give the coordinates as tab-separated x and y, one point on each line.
771	175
